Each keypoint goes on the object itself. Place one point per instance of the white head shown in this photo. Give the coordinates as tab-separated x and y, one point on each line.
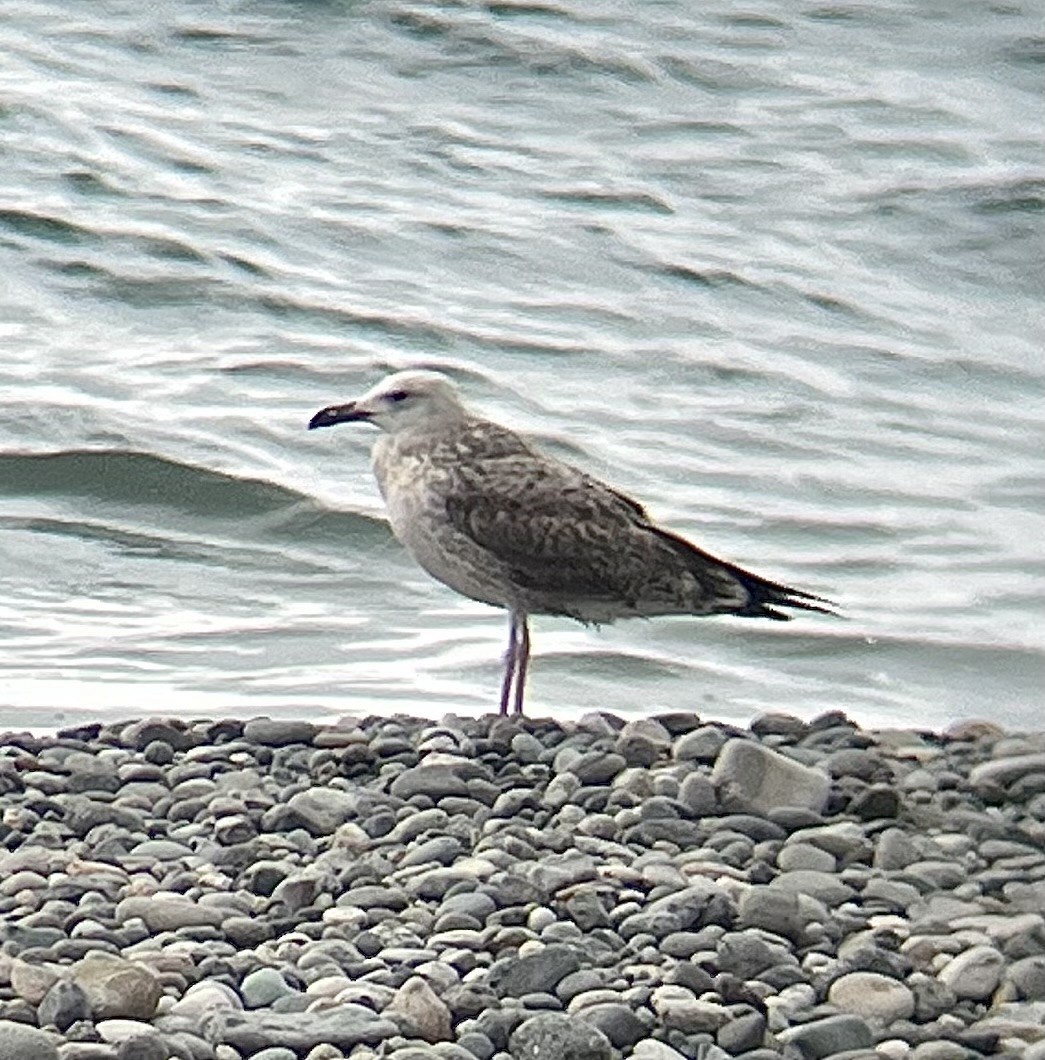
399	401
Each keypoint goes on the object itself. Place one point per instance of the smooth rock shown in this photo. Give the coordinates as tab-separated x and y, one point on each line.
117	988
321	811
435	781
742	1033
419	1003
765	779
534	973
1028	977
19	1042
1004	771
975	973
617	1021
875	997
63	1005
826	1037
168	912
279	732
771	909
345	1026
32	981
823	886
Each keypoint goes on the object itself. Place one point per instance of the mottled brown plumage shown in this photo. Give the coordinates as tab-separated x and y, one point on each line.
488	515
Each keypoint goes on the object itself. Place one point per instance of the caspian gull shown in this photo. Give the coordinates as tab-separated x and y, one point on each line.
482	511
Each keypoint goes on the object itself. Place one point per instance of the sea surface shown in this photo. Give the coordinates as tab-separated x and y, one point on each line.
773	268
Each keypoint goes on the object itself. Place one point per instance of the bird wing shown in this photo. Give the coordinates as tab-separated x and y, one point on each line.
567	537
555	528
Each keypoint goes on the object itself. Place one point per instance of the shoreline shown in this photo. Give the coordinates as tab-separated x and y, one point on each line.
485	888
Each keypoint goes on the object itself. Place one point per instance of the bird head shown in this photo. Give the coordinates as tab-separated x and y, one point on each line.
399	401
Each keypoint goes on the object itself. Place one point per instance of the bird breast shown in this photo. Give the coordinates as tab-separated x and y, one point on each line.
414	488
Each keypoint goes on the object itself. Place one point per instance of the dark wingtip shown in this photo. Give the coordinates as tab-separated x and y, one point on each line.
767	596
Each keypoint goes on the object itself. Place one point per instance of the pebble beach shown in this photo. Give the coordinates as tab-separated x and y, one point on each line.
668	888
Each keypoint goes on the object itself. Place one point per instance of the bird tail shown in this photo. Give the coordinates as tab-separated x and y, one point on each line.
764	597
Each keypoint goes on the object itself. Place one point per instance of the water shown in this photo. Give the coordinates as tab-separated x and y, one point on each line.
774	269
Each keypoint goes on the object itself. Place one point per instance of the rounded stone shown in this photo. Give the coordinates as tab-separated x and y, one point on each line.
117	988
419	1004
20	1042
795	856
553	1036
872	996
1028	977
975	973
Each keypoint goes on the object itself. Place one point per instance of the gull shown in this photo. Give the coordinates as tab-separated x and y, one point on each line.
487	514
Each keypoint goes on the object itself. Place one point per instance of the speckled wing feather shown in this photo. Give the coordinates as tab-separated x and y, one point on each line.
572	544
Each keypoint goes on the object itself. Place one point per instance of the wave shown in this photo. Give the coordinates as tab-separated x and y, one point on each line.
128	480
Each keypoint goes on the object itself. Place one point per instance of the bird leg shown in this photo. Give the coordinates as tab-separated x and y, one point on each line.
522	659
509	664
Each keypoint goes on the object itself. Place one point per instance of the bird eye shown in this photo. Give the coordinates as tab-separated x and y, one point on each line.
398	395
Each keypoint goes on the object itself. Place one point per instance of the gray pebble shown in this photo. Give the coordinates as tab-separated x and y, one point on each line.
557	1037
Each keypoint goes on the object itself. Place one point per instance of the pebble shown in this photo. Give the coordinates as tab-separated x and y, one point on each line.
876	998
665	888
554	1037
974	973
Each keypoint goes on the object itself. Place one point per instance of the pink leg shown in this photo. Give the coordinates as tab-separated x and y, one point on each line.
522	661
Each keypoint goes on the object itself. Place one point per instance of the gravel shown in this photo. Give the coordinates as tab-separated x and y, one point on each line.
666	888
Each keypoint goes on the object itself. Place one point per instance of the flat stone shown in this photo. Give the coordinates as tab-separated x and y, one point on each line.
779	724
281	732
435	781
893	893
346	1026
82	813
1004	771
320	811
765	779
823	886
691	1016
158	850
375	896
746	954
444	850
795	856
845	840
597	767
876	998
168	913
942	1050
825	1037
538	972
